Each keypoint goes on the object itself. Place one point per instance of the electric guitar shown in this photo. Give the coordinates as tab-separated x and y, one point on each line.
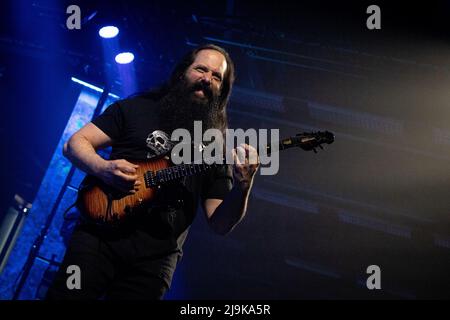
105	205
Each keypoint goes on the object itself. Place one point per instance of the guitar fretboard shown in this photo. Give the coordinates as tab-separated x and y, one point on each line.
162	176
177	172
305	141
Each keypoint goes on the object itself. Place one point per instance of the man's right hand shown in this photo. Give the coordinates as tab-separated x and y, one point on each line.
82	148
120	174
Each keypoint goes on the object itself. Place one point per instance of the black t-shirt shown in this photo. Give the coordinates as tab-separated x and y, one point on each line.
128	123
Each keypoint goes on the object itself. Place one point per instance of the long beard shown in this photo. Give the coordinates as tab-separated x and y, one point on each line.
179	108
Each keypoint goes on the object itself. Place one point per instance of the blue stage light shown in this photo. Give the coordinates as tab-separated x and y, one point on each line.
108	32
90	86
124	57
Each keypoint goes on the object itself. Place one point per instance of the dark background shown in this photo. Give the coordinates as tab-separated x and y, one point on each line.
378	195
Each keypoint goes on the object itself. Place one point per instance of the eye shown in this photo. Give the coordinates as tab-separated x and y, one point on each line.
201	69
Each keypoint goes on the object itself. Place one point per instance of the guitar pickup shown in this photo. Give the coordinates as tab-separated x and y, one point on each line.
149	179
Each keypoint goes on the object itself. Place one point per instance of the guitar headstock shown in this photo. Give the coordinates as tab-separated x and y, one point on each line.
311	140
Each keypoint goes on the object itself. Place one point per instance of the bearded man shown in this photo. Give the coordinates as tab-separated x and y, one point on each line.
137	259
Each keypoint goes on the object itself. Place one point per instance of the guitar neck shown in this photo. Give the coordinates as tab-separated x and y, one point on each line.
153	179
288	143
180	171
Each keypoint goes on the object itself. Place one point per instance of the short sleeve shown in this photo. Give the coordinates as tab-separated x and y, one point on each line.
217	183
111	121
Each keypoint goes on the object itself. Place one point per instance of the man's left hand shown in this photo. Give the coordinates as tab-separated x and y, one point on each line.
246	163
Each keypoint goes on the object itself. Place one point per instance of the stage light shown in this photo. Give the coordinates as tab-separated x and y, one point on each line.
90	86
108	32
124	57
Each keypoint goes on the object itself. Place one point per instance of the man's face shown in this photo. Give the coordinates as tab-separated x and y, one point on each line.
206	74
196	96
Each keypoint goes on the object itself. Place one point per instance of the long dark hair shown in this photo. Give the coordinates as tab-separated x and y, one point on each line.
180	69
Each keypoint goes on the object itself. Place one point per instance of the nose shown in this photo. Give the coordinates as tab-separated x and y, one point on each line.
206	80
